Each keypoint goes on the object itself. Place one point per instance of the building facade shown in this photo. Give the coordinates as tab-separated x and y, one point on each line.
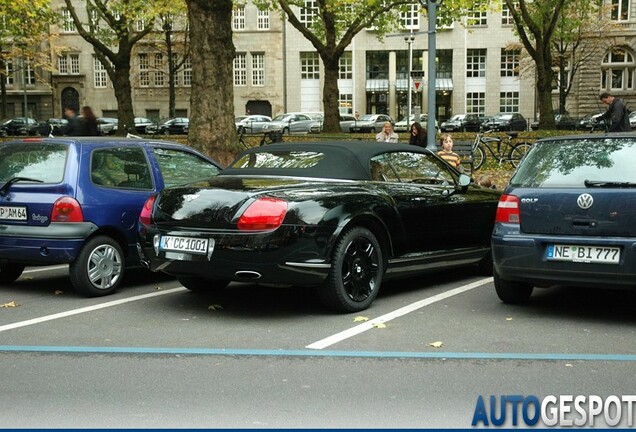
277	70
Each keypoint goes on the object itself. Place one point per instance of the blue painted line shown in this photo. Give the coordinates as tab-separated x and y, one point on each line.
316	353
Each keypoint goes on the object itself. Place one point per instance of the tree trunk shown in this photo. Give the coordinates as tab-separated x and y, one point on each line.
123	94
212	128
330	95
544	93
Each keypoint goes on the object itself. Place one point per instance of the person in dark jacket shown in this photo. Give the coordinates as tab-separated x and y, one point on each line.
418	135
616	115
89	122
73	128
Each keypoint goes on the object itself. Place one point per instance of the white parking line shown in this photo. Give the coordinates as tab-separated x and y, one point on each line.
86	309
338	337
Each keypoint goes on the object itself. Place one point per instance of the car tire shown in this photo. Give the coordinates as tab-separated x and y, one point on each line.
356	272
372	130
199	284
99	267
512	292
9	272
285	131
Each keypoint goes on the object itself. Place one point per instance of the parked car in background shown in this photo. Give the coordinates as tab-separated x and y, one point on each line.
346	121
632	119
52	126
403	125
19	126
567	217
561	122
371	123
291	123
338	216
142	124
506	122
461	123
251	123
107	125
591	122
173	126
77	200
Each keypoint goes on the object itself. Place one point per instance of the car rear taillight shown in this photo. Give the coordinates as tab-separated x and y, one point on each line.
67	209
263	214
508	210
146	210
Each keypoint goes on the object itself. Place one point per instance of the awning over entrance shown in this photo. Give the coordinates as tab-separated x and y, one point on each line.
379	85
443	84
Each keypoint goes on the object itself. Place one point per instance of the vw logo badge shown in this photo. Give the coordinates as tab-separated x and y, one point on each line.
585	201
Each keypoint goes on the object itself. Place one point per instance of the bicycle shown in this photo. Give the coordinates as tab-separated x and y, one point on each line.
268	137
483	143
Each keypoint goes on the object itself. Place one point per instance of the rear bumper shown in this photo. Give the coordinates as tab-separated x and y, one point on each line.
56	243
523	258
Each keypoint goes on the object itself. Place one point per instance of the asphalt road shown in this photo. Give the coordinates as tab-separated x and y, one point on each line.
154	355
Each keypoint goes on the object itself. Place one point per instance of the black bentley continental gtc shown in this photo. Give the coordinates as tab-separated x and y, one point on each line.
339	216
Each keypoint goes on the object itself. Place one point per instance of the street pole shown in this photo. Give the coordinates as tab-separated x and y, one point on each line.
409	40
24	83
431	7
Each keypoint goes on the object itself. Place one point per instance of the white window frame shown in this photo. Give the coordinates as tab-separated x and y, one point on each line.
476	103
510	62
238	17
476	63
9	70
410	19
506	16
308	13
258	69
620	10
158	75
345	67
68	64
68	25
186	73
262	19
309	65
509	101
144	70
617	72
240	70
100	77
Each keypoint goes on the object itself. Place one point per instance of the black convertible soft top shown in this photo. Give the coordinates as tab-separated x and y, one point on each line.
341	159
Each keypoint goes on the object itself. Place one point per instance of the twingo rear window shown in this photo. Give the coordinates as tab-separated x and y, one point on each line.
570	163
279	159
43	162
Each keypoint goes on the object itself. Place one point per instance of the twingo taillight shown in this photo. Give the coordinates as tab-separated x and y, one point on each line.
146	210
263	214
67	209
508	210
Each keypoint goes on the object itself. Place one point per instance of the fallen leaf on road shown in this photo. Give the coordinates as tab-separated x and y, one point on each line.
379	325
10	305
508	318
360	319
58	292
215	307
437	344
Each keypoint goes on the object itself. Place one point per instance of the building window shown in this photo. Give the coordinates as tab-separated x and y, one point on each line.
93	22
402	62
506	16
377	64
240	70
510	62
68	25
620	10
410	19
144	74
308	12
140	24
509	102
68	64
476	103
262	19
158	70
309	65
238	18
8	68
29	76
187	72
345	70
476	63
617	70
258	69
476	16
345	103
99	73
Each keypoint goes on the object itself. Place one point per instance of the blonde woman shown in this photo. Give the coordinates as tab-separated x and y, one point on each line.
387	134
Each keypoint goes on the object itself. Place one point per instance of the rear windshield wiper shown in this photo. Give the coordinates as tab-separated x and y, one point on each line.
5	187
608	184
